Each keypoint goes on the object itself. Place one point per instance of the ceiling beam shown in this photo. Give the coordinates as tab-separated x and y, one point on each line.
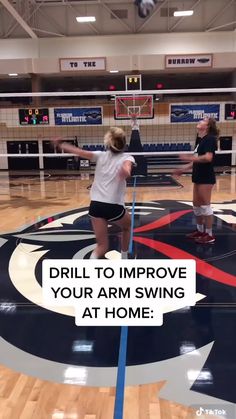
92	26
88	3
184	17
19	19
221	26
2	22
49	32
219	14
107	8
156	9
13	27
53	23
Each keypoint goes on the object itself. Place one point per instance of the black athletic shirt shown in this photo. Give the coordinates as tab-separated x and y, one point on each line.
203	173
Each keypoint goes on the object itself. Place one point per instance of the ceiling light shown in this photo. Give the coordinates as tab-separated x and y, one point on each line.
114	71
12	74
84	19
183	13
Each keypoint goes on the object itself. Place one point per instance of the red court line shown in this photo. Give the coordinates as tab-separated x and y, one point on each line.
203	268
166	219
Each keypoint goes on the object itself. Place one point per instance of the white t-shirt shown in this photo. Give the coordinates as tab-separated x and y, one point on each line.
108	186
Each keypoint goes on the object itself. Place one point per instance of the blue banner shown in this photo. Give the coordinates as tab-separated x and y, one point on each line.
194	113
78	116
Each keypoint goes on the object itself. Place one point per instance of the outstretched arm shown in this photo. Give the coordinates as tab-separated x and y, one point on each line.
183	169
88	155
205	158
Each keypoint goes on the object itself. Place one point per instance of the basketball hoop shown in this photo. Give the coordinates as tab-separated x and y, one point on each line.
134	107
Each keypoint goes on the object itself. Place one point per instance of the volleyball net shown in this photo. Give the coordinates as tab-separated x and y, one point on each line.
158	125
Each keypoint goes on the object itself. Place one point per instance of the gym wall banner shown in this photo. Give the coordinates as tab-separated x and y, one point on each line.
194	113
78	116
82	64
189	61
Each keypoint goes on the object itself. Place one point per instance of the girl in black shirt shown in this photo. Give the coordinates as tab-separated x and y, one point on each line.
203	178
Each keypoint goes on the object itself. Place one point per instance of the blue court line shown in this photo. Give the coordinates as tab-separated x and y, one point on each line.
120	381
132	217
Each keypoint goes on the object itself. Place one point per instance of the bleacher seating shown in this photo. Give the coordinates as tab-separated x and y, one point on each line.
154	161
148	147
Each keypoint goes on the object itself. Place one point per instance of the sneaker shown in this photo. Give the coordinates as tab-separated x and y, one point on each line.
206	239
195	235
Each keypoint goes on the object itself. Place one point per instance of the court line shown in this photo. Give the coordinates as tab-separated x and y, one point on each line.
132	216
120	382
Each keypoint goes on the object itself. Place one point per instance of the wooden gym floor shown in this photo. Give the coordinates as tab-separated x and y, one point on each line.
27	204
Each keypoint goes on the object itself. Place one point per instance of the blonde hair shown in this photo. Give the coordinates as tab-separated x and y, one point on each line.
115	140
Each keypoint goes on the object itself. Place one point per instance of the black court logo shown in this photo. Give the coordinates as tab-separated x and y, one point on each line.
159	232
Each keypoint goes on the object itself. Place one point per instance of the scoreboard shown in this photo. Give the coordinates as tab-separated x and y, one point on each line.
34	116
133	82
230	111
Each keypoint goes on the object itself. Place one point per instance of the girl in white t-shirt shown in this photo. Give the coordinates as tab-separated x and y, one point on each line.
113	167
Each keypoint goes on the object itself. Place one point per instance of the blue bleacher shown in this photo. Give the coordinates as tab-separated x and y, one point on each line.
180	147
187	147
158	147
174	147
151	147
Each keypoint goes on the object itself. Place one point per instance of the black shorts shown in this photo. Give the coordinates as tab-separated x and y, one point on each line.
203	174
109	212
200	180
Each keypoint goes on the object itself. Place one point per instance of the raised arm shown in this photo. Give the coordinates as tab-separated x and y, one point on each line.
88	155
